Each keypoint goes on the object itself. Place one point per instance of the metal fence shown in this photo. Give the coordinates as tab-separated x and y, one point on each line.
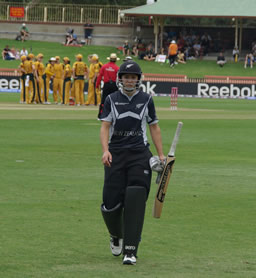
65	13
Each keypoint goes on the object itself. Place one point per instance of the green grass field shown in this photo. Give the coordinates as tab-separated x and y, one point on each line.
193	68
51	191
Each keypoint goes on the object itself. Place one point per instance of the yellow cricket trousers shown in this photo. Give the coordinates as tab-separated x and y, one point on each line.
91	93
22	89
30	89
66	90
79	91
57	89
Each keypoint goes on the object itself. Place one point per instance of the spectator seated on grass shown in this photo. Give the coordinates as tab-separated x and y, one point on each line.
141	49
23	52
149	54
71	38
7	54
181	59
135	50
126	48
248	61
221	61
235	54
198	49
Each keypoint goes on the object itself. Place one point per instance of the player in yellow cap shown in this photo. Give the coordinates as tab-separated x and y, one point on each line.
80	72
67	80
97	67
22	79
39	66
48	77
58	80
29	68
92	97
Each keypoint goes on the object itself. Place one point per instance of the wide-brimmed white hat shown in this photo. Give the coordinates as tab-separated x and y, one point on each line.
113	56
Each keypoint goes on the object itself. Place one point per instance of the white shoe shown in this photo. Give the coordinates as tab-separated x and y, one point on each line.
116	246
78	104
129	259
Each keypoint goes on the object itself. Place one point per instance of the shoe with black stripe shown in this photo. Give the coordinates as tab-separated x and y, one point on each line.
129	259
116	246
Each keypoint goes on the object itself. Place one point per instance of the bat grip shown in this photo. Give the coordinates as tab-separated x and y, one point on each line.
159	174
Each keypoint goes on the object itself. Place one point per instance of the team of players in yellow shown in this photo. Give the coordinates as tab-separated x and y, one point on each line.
67	81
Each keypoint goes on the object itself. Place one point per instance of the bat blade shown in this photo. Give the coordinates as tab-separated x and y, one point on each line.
166	175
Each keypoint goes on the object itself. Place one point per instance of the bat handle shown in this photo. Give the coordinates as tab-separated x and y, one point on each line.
159	174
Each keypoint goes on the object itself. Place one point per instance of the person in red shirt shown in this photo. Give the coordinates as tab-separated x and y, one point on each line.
108	73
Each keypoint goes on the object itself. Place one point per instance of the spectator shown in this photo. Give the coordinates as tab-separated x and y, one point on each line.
248	60
23	52
149	54
88	29
14	52
181	44
24	33
71	38
7	54
141	49
173	50
126	48
197	49
205	43
235	53
135	50
181	57
221	61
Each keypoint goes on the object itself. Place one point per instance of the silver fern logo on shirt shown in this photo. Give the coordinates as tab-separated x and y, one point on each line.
138	106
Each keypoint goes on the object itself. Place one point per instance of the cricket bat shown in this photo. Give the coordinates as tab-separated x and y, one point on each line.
166	175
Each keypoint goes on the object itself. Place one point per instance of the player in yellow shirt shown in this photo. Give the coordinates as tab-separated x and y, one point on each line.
91	78
58	80
39	66
80	72
47	78
29	68
22	79
67	80
97	68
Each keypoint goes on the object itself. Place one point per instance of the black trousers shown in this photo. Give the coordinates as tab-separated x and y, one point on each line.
172	59
130	167
108	88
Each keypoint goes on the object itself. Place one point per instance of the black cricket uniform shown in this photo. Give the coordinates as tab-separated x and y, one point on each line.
128	144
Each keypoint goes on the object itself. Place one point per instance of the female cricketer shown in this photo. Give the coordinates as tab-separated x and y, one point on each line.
126	157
